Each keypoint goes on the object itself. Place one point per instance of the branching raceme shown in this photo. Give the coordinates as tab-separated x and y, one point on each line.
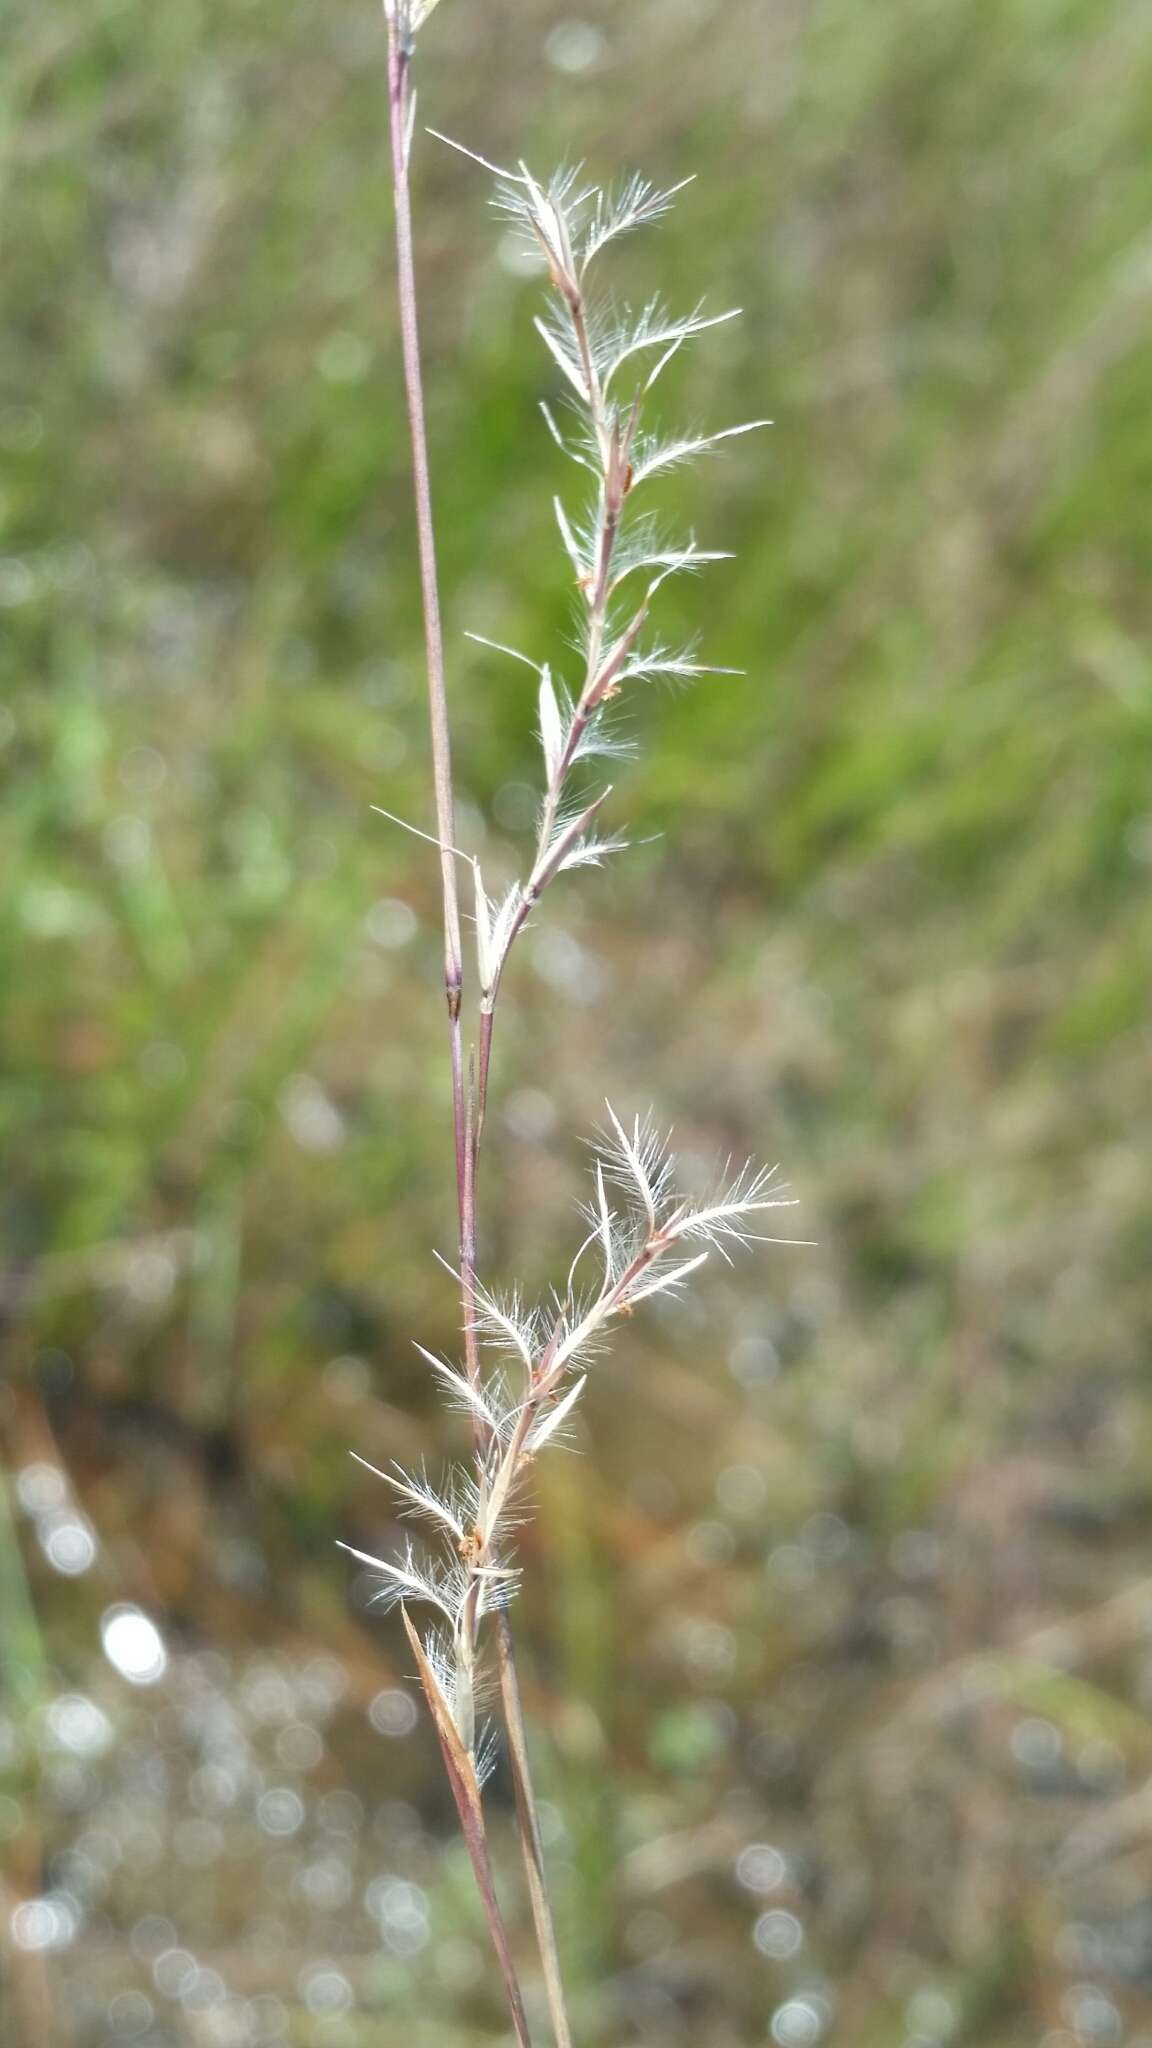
619	559
524	1367
641	1240
619	563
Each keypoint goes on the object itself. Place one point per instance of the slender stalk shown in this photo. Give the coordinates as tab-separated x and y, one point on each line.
529	1824
399	106
467	1108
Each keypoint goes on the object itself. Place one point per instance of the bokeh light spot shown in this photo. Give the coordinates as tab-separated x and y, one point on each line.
133	1645
393	1712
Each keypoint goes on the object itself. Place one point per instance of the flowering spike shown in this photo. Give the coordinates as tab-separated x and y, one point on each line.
483	933
551	727
506	1324
653	328
672	1277
654	456
462	1390
571	545
557	350
420	1497
555	1418
404	1580
636	205
646	1167
559	853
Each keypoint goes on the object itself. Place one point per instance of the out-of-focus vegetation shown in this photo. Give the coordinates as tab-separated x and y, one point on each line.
838	1637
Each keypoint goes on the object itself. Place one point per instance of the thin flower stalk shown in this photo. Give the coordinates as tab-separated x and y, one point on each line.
403	18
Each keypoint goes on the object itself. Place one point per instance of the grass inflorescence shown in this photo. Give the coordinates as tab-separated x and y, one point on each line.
525	1364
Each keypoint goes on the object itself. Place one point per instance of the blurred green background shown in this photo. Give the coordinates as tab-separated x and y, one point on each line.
838	1635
